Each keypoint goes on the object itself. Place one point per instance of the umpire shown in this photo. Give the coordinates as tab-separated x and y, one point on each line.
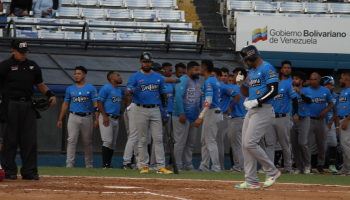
18	117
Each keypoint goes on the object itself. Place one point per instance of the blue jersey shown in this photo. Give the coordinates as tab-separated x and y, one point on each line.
81	99
344	103
187	98
259	78
319	98
227	93
169	91
303	107
111	98
289	80
281	102
152	86
330	114
238	110
212	88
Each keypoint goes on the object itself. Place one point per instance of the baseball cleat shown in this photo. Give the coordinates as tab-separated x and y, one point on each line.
144	170
320	169
247	186
164	170
332	169
287	172
270	181
297	171
199	170
307	170
127	166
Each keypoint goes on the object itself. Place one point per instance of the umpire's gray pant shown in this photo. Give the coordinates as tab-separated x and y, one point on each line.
76	125
185	139
131	144
149	119
345	145
256	124
109	134
279	131
317	131
220	138
234	133
208	140
298	137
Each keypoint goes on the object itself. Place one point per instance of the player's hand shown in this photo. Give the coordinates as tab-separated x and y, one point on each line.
344	125
25	12
121	117
323	114
182	118
240	79
296	89
52	100
59	124
177	80
135	90
43	12
329	126
198	122
295	119
49	10
228	111
96	124
337	132
105	121
251	104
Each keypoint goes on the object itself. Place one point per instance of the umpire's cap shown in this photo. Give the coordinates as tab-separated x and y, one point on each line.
250	53
20	45
146	57
157	67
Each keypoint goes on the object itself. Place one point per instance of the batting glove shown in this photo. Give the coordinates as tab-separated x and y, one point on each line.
251	104
177	80
240	79
135	90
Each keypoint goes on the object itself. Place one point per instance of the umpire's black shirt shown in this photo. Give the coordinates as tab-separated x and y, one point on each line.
18	79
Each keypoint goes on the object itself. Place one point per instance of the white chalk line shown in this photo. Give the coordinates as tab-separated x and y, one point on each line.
284	190
194	180
122	187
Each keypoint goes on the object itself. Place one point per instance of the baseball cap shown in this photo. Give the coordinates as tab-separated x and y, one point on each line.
146	57
20	45
157	67
327	80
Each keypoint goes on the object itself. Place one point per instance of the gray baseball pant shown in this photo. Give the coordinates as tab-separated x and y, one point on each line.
220	138
331	136
317	130
256	124
76	125
234	133
298	137
131	144
279	131
345	145
109	134
149	119
185	139
208	140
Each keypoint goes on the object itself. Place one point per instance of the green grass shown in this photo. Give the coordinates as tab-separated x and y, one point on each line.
286	178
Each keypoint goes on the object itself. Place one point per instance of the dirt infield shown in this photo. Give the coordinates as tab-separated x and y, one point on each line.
50	187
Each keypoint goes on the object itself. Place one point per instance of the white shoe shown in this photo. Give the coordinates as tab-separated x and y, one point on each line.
307	170
270	181
297	171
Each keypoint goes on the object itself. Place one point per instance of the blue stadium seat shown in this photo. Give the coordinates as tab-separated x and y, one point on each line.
131	36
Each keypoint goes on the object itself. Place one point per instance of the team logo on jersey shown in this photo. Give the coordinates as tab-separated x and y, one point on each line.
13	68
281	104
293	90
113	92
254	82
344	107
151	87
220	99
96	93
230	90
72	93
157	97
31	67
342	99
272	74
208	86
141	81
303	108
170	95
116	99
278	97
80	99
79	92
87	107
301	101
318	100
258	92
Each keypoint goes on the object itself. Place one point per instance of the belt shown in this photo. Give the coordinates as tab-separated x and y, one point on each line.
301	117
280	115
148	106
21	99
317	118
81	114
112	116
217	111
343	117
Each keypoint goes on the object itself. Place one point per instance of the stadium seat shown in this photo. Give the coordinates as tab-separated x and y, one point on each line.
46	20
89	3
300	15
99	22
91	13
53	34
76	35
345	16
316	8
291	7
265	6
326	16
27	34
104	36
339	8
70	12
67	2
145	14
183	38
112	3
72	21
274	14
239	5
131	36
118	14
152	24
180	25
137	3
154	37
172	15
23	19
121	23
164	4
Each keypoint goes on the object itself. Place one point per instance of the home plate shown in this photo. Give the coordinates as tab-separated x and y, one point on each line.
122	187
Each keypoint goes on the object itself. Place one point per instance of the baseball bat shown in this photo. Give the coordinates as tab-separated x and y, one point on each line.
171	146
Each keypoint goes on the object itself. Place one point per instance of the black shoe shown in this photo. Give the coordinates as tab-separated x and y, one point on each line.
320	169
107	167
128	166
31	177
11	176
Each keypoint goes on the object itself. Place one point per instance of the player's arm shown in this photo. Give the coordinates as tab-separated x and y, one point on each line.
329	107
241	84
271	92
305	98
171	80
180	90
163	93
64	110
131	86
206	105
344	125
94	97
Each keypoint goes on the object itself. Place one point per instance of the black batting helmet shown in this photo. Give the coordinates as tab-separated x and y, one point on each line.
146	57
41	104
156	66
250	53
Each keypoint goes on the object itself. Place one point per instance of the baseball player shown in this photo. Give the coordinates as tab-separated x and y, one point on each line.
109	100
299	132
262	87
186	110
231	79
235	124
180	70
286	71
81	100
344	117
147	89
320	96
280	129
331	135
